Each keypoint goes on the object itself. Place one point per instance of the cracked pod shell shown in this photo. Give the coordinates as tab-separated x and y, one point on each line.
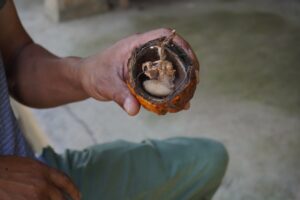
186	77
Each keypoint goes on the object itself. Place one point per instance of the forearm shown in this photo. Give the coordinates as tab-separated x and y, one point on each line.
40	79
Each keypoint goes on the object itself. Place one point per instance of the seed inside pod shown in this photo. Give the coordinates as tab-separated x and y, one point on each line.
157	88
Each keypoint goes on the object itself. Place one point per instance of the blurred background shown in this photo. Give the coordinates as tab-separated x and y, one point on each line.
248	97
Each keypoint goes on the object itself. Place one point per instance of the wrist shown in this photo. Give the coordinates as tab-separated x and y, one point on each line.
74	75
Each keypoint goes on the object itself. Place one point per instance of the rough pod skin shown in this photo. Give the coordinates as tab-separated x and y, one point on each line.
186	77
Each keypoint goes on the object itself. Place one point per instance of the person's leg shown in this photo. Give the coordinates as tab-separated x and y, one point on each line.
177	168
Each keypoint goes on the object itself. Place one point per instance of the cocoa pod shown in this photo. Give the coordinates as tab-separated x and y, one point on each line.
185	82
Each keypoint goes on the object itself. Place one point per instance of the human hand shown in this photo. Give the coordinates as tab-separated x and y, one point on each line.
103	76
23	178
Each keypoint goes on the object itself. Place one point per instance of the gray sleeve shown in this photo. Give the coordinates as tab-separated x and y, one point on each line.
2	2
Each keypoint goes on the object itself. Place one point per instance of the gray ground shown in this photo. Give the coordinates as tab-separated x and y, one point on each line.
248	98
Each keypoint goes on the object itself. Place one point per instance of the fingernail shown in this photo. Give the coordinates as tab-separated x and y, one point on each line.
128	106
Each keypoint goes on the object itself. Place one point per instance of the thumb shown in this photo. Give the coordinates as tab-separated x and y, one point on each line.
126	100
131	105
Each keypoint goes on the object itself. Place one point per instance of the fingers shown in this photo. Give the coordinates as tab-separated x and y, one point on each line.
125	99
23	190
56	194
65	184
131	106
30	179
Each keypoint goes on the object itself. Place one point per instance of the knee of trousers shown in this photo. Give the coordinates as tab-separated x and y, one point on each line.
210	168
217	160
210	154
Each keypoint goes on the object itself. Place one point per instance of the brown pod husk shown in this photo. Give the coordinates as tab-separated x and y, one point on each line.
185	82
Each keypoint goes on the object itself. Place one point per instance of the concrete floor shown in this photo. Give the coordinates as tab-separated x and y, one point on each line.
248	98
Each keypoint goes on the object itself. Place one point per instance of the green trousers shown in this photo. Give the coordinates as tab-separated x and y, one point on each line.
176	168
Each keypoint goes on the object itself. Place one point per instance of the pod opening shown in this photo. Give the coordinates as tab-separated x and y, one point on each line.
151	54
